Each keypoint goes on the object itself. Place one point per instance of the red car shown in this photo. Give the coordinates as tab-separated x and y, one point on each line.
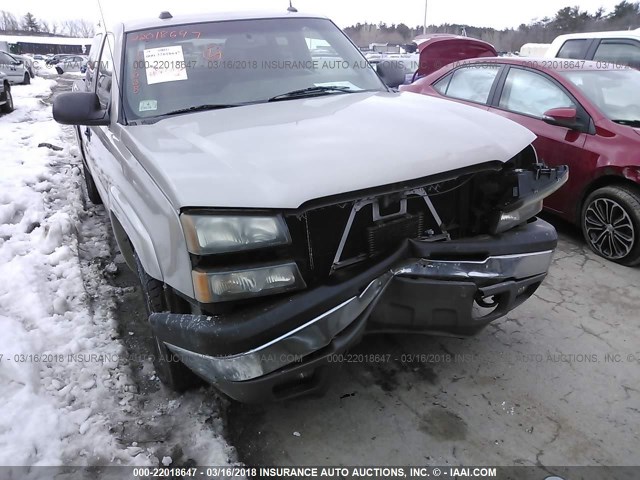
585	114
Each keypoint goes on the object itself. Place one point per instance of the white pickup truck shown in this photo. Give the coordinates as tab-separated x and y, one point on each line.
268	231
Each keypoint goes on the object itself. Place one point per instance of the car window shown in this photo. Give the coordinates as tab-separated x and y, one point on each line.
573	49
471	83
6	59
531	93
94	53
441	85
615	92
622	53
105	73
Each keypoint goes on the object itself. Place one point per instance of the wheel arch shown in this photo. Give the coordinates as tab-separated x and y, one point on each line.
605	180
132	237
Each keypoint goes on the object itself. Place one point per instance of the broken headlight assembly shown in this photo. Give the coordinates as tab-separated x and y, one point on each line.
529	188
209	234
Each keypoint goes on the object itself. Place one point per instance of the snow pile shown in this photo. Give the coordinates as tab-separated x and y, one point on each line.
65	386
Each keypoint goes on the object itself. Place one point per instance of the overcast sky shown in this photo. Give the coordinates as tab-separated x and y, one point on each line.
489	13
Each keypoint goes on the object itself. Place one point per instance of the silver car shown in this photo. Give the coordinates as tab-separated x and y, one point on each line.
268	231
14	69
6	99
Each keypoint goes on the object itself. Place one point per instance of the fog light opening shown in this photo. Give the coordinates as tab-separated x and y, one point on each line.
490	301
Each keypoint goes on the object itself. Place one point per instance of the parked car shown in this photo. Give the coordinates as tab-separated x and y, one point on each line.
27	62
6	100
72	63
268	232
14	69
534	49
55	59
621	47
586	115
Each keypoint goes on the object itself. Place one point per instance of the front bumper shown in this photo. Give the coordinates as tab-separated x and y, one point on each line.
284	351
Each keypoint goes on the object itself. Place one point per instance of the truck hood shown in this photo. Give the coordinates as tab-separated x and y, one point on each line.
283	154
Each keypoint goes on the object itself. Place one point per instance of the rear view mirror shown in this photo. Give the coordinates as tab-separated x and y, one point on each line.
391	72
562	117
79	108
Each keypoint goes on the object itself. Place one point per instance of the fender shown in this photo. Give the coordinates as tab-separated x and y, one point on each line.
136	232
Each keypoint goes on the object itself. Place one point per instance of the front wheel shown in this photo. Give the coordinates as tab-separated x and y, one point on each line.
611	224
170	370
92	190
8	104
27	79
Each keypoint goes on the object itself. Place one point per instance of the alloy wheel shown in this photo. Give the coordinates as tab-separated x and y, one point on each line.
609	228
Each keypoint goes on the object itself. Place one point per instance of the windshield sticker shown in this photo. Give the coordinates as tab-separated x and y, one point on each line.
349	85
165	64
148	105
164	34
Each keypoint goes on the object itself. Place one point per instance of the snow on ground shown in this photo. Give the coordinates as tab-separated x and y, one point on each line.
66	389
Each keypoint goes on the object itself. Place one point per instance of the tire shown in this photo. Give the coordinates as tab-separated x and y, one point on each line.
8	105
92	190
27	79
610	221
169	369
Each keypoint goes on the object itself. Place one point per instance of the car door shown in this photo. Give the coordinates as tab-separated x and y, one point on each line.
524	95
97	141
9	66
472	84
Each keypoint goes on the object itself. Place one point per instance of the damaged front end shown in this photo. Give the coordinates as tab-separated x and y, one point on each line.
277	296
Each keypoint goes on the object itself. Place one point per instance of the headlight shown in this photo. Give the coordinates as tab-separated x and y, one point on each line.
533	186
207	234
237	284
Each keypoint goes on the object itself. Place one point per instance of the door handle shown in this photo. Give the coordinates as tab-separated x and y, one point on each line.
87	133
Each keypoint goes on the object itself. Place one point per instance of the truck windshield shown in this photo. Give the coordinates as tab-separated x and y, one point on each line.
615	92
224	64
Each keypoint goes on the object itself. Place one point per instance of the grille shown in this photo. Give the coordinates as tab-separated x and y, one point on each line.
384	236
316	233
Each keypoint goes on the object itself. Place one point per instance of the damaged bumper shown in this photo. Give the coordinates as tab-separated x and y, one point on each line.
284	350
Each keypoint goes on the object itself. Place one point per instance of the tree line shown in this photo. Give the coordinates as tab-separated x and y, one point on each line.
30	25
625	15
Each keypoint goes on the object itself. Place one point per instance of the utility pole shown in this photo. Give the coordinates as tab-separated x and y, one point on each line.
424	25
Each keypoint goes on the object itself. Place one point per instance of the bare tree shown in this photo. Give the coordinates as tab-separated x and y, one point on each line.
86	28
77	28
8	21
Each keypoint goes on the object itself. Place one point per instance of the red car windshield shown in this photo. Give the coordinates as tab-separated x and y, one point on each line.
615	92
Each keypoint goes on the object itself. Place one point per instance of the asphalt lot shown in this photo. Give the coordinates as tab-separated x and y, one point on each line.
556	382
535	388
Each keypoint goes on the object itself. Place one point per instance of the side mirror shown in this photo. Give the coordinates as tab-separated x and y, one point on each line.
562	117
391	72
17	62
79	108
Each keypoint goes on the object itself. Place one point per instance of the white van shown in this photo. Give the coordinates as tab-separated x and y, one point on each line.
621	47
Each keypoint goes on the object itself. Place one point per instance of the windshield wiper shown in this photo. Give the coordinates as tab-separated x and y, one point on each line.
312	92
201	108
629	123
